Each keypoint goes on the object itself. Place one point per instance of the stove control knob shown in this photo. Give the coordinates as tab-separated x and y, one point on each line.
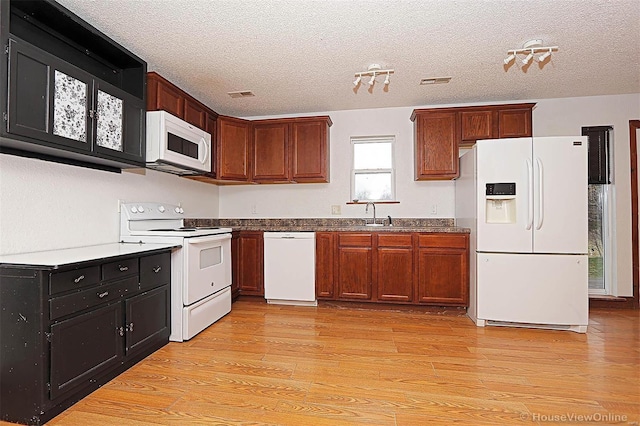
181	210
177	209
134	209
141	209
161	209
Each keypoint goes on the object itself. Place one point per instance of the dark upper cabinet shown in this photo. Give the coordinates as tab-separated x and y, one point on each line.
73	94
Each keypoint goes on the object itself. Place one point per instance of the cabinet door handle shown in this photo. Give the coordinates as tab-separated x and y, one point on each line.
80	278
131	327
157	269
120	331
123	268
103	294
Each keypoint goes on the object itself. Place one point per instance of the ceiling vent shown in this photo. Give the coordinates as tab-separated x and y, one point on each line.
434	80
241	94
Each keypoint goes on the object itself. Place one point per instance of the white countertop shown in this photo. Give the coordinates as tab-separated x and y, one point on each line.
56	258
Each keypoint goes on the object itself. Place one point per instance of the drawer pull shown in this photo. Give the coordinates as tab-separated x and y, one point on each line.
157	269
123	268
80	278
103	294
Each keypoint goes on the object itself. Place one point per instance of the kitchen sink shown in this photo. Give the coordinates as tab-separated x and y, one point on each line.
374	224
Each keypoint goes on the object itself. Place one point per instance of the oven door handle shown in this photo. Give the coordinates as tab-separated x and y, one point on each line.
207	239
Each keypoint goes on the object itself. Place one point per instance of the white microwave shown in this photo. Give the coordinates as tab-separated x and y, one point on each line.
175	146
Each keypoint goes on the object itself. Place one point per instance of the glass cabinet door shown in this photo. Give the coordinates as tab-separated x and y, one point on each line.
109	126
70	107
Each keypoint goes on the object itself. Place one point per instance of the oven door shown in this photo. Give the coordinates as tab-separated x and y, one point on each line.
207	266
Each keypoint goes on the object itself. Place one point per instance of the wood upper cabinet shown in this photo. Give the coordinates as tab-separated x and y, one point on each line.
325	249
195	113
436	136
439	132
515	122
233	136
291	150
310	150
271	152
443	269
477	124
354	266
395	267
164	95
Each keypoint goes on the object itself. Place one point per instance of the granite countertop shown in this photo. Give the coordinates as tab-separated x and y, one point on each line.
332	225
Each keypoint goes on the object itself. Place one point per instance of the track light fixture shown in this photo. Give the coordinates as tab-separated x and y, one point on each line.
373	70
530	48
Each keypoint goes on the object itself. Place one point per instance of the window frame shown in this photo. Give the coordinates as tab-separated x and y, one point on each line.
368	140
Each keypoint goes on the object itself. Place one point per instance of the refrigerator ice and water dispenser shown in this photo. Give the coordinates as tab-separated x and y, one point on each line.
500	199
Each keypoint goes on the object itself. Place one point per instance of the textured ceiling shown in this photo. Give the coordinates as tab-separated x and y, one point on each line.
300	56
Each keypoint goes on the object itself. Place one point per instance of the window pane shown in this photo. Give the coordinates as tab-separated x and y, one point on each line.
372	155
596	237
373	186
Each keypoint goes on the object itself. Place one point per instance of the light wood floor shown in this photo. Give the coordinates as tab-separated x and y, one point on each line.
332	365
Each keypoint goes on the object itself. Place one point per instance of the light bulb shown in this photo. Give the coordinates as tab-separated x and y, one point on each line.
357	80
373	79
386	80
544	56
509	59
528	59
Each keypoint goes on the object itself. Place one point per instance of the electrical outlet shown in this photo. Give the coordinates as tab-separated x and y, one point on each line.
119	204
335	210
434	209
254	209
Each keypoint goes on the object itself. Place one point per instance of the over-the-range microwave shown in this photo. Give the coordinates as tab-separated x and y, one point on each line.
175	146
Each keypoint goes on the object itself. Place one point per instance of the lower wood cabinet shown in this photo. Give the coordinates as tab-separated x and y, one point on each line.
443	270
408	268
247	254
355	266
68	330
395	268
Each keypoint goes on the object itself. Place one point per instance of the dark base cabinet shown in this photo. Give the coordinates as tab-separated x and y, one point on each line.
65	332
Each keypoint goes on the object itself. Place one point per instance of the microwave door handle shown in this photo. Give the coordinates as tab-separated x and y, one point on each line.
206	151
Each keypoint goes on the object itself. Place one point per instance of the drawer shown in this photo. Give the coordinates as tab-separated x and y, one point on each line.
65	305
443	240
354	240
394	240
155	270
119	269
75	279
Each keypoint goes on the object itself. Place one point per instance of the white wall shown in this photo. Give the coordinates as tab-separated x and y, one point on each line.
315	200
560	117
46	206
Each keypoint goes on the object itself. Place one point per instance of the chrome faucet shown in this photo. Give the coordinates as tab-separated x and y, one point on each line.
366	210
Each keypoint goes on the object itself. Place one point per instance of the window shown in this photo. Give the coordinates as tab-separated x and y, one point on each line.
373	177
600	196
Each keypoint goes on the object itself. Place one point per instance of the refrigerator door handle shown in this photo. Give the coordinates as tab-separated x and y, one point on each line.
540	195
529	195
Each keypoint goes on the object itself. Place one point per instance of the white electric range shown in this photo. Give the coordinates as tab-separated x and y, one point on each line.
200	269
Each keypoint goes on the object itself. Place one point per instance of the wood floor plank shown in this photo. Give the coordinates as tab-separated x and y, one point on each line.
341	364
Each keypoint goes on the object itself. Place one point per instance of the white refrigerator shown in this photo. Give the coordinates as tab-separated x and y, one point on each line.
525	201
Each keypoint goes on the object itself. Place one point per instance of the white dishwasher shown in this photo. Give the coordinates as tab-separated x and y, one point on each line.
290	268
